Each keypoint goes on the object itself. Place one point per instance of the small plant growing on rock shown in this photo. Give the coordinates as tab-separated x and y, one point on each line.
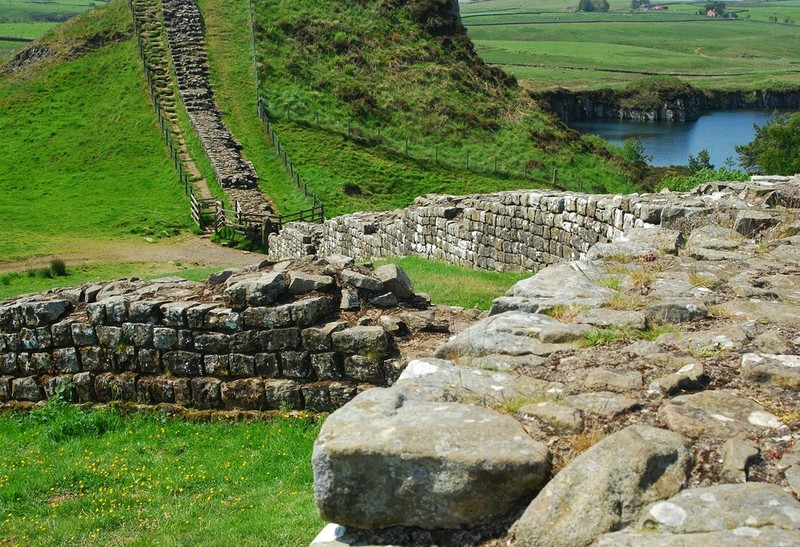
566	313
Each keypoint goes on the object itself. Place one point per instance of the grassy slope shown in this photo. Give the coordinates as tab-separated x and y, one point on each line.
232	75
549	47
373	67
81	154
71	479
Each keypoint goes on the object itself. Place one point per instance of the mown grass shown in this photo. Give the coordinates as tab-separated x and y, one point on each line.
454	285
70	477
82	158
550	47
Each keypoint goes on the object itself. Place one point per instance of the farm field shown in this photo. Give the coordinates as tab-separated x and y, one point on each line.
552	46
24	20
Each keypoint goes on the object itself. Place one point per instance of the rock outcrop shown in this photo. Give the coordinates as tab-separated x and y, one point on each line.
660	372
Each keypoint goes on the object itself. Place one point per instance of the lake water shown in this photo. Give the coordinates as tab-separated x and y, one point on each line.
670	143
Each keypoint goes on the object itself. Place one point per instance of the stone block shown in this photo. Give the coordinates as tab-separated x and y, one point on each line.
319	338
301	282
109	337
362	341
282	394
261	291
268	318
26	389
40	314
174	313
90	358
196	315
138	334
361	281
224	320
62	333
66	360
242	365
145	311
83	334
8	363
124	358
267	365
327	366
165	338
84	387
216	365
295	364
364	369
395	281
280	339
212	343
149	361
246	394
206	392
310	311
245	342
5	388
181	389
61	385
183	363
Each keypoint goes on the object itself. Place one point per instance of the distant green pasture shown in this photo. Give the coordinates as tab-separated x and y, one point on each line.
17	11
578	50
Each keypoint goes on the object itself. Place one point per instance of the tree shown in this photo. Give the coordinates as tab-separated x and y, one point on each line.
593	5
718	7
700	162
636	5
775	148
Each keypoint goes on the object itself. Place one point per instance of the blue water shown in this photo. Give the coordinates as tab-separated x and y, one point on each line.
670	143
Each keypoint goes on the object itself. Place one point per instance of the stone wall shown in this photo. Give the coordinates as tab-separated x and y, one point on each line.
522	230
184	28
259	339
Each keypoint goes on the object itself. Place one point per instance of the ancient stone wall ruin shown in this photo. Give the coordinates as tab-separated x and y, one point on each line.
522	230
184	28
259	339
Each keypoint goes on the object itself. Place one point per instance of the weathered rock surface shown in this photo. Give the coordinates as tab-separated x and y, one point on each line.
432	464
512	333
604	488
720	413
440	380
740	514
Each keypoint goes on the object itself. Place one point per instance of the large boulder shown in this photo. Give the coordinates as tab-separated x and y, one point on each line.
512	333
604	488
566	284
383	460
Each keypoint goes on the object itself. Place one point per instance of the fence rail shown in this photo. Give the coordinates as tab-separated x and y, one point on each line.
166	129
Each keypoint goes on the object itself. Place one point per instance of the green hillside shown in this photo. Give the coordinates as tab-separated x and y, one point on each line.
82	157
385	101
368	95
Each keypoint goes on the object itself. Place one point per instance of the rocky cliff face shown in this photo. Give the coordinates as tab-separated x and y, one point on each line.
609	105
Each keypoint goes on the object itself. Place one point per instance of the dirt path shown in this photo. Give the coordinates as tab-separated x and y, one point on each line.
187	250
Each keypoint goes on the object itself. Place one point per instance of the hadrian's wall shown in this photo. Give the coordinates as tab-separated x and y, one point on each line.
522	230
269	337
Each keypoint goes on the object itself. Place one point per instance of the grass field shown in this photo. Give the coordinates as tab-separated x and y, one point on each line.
72	478
551	47
82	156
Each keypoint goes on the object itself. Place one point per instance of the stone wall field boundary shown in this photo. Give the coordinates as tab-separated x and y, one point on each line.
520	230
